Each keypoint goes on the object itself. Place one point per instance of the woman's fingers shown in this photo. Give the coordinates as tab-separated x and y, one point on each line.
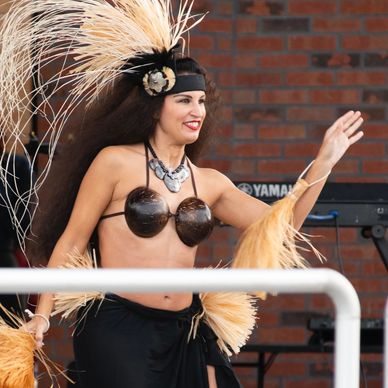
356	137
36	330
39	337
344	121
353	128
350	118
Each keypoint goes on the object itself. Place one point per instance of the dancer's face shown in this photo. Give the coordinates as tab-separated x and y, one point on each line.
182	116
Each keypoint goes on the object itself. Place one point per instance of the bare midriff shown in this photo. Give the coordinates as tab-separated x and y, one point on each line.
120	248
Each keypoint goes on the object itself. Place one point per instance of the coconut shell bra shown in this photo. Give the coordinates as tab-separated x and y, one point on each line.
147	213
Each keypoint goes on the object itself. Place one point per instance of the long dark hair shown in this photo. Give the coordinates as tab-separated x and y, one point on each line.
123	115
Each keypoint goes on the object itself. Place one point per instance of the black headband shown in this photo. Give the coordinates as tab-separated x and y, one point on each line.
188	83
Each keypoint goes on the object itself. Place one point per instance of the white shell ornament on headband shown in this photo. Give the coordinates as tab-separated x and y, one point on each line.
159	81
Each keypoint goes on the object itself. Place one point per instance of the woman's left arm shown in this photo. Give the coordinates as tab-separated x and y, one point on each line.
338	138
241	210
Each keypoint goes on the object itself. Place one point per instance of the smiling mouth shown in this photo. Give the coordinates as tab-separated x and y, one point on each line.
193	125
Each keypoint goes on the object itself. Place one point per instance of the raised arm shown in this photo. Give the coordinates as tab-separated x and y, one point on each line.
241	210
338	138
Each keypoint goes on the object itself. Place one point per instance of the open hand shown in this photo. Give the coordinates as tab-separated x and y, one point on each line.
340	136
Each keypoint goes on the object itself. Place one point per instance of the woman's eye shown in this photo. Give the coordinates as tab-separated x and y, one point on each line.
185	100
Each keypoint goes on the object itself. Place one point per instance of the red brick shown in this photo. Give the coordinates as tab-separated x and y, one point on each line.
276	303
281	167
311	7
377	24
287	335
256	150
220	165
224	44
245	25
373	303
362	78
225	130
227	114
323	42
374	267
364	6
297	366
244	131
346	166
202	42
343	96
254	43
318	302
261	114
261	7
203	6
281	96
367	149
258	79
283	131
375	166
223	149
361	252
227	96
376	131
246	61
225	8
368	285
268	319
322	383
216	25
363	179
284	60
310	114
244	96
310	78
243	167
347	235
336	24
301	149
216	60
365	42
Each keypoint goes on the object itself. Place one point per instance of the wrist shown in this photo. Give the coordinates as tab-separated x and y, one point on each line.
324	163
315	173
41	317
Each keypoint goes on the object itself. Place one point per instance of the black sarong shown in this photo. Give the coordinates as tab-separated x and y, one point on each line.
122	344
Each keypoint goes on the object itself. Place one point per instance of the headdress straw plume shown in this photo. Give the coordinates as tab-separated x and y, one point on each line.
93	40
271	242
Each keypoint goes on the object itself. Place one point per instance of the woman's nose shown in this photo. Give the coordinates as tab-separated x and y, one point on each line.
197	110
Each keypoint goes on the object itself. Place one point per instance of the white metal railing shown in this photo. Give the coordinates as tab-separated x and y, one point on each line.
336	286
386	345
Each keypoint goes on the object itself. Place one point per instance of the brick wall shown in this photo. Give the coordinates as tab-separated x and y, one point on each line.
286	70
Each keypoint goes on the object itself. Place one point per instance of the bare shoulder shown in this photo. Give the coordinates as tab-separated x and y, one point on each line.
210	174
118	152
115	157
213	179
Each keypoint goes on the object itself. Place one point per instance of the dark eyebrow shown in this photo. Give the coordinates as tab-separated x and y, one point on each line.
187	96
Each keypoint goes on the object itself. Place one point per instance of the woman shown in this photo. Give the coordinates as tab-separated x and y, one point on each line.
136	184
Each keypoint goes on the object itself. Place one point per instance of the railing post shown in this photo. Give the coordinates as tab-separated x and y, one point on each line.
347	305
386	345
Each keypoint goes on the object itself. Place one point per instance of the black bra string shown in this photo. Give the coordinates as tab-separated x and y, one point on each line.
192	178
147	166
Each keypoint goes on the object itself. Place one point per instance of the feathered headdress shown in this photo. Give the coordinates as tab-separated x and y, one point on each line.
95	41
